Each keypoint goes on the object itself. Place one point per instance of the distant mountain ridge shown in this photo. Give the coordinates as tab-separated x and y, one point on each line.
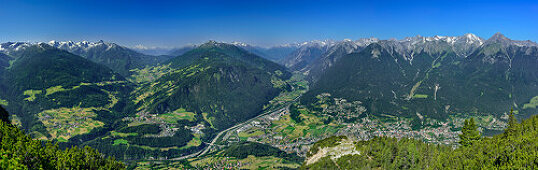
118	58
274	53
305	56
314	57
152	50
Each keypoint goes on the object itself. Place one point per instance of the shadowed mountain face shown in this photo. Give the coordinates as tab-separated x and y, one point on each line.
43	66
4	88
222	80
437	79
305	54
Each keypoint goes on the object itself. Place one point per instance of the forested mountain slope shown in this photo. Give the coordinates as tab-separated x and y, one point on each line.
222	80
179	106
52	87
436	82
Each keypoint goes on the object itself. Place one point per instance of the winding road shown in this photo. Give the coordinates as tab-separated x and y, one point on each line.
208	147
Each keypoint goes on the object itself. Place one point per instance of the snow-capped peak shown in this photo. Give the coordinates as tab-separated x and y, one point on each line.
471	38
239	44
319	43
10	47
78	46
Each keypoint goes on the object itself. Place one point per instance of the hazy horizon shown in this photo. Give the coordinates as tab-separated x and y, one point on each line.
263	23
142	47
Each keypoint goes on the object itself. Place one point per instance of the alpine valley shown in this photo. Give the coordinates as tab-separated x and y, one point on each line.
312	105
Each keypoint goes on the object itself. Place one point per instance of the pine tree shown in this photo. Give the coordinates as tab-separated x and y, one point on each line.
469	133
512	124
20	151
4	115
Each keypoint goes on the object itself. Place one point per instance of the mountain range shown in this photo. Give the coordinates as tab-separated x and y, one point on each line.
139	106
433	76
120	59
71	93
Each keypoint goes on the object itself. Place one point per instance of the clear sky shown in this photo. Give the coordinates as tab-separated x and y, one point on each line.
172	24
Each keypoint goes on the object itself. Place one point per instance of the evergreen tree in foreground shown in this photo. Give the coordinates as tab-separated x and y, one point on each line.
4	115
469	133
516	148
19	151
512	124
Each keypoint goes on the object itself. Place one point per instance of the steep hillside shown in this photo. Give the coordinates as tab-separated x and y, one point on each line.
4	88
191	99
436	80
43	66
217	79
327	59
58	94
313	58
372	76
4	60
306	53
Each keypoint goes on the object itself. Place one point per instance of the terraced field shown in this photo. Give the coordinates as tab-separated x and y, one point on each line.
196	141
179	114
63	123
149	74
31	94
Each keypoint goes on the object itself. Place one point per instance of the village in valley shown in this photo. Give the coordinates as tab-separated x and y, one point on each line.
348	118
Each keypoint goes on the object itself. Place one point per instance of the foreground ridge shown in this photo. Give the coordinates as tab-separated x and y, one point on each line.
513	149
19	151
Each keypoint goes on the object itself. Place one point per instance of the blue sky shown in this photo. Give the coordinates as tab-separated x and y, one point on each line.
176	23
